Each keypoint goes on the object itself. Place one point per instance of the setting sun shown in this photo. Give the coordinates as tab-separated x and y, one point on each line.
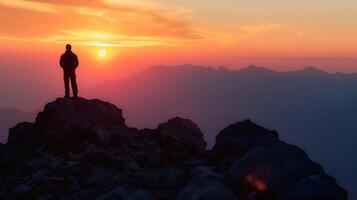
102	53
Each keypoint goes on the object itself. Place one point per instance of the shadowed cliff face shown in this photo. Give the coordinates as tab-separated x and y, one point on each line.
82	149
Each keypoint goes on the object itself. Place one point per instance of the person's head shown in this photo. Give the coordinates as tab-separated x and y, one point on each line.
68	47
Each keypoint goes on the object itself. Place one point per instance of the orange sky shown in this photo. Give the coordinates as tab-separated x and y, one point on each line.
279	34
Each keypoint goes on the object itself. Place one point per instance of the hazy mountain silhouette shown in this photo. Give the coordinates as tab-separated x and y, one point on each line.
9	117
309	107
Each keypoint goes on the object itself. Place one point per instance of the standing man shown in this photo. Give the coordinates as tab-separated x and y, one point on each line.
69	63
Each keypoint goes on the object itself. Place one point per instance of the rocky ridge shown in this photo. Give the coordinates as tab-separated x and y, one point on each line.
82	149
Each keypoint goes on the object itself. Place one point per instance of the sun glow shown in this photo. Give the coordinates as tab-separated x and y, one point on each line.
102	53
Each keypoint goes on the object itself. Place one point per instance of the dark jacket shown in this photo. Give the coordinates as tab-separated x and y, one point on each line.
69	61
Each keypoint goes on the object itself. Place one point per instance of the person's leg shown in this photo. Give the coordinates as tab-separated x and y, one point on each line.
74	84
66	83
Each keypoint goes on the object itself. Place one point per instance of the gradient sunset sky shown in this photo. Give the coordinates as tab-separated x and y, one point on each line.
278	34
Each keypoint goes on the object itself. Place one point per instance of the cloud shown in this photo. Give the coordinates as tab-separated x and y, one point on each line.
260	28
299	34
175	10
122	4
134	23
7	37
94	38
29	5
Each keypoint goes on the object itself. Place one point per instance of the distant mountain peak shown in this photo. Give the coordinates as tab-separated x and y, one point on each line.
178	67
312	70
256	69
223	68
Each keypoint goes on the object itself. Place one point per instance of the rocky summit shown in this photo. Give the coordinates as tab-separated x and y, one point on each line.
82	149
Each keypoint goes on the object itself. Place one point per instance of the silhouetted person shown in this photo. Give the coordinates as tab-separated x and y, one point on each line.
69	63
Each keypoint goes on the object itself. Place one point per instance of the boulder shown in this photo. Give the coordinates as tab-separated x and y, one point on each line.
97	155
103	173
294	161
69	121
255	172
130	166
181	135
147	178
123	193
264	165
38	177
205	184
41	161
78	169
238	138
316	187
172	178
67	109
21	135
23	191
149	139
151	159
2	148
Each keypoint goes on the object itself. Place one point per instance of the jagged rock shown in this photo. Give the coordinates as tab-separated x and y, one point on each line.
2	148
258	177
149	139
261	196
238	138
255	172
82	149
205	184
41	161
98	156
151	159
71	121
78	109
264	165
192	163
294	161
147	178
206	171
131	166
172	178
126	194
316	187
22	191
102	173
79	169
181	135
210	190
21	134
93	182
38	177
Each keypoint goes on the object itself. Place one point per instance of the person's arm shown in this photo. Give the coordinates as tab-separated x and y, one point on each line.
61	61
76	62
